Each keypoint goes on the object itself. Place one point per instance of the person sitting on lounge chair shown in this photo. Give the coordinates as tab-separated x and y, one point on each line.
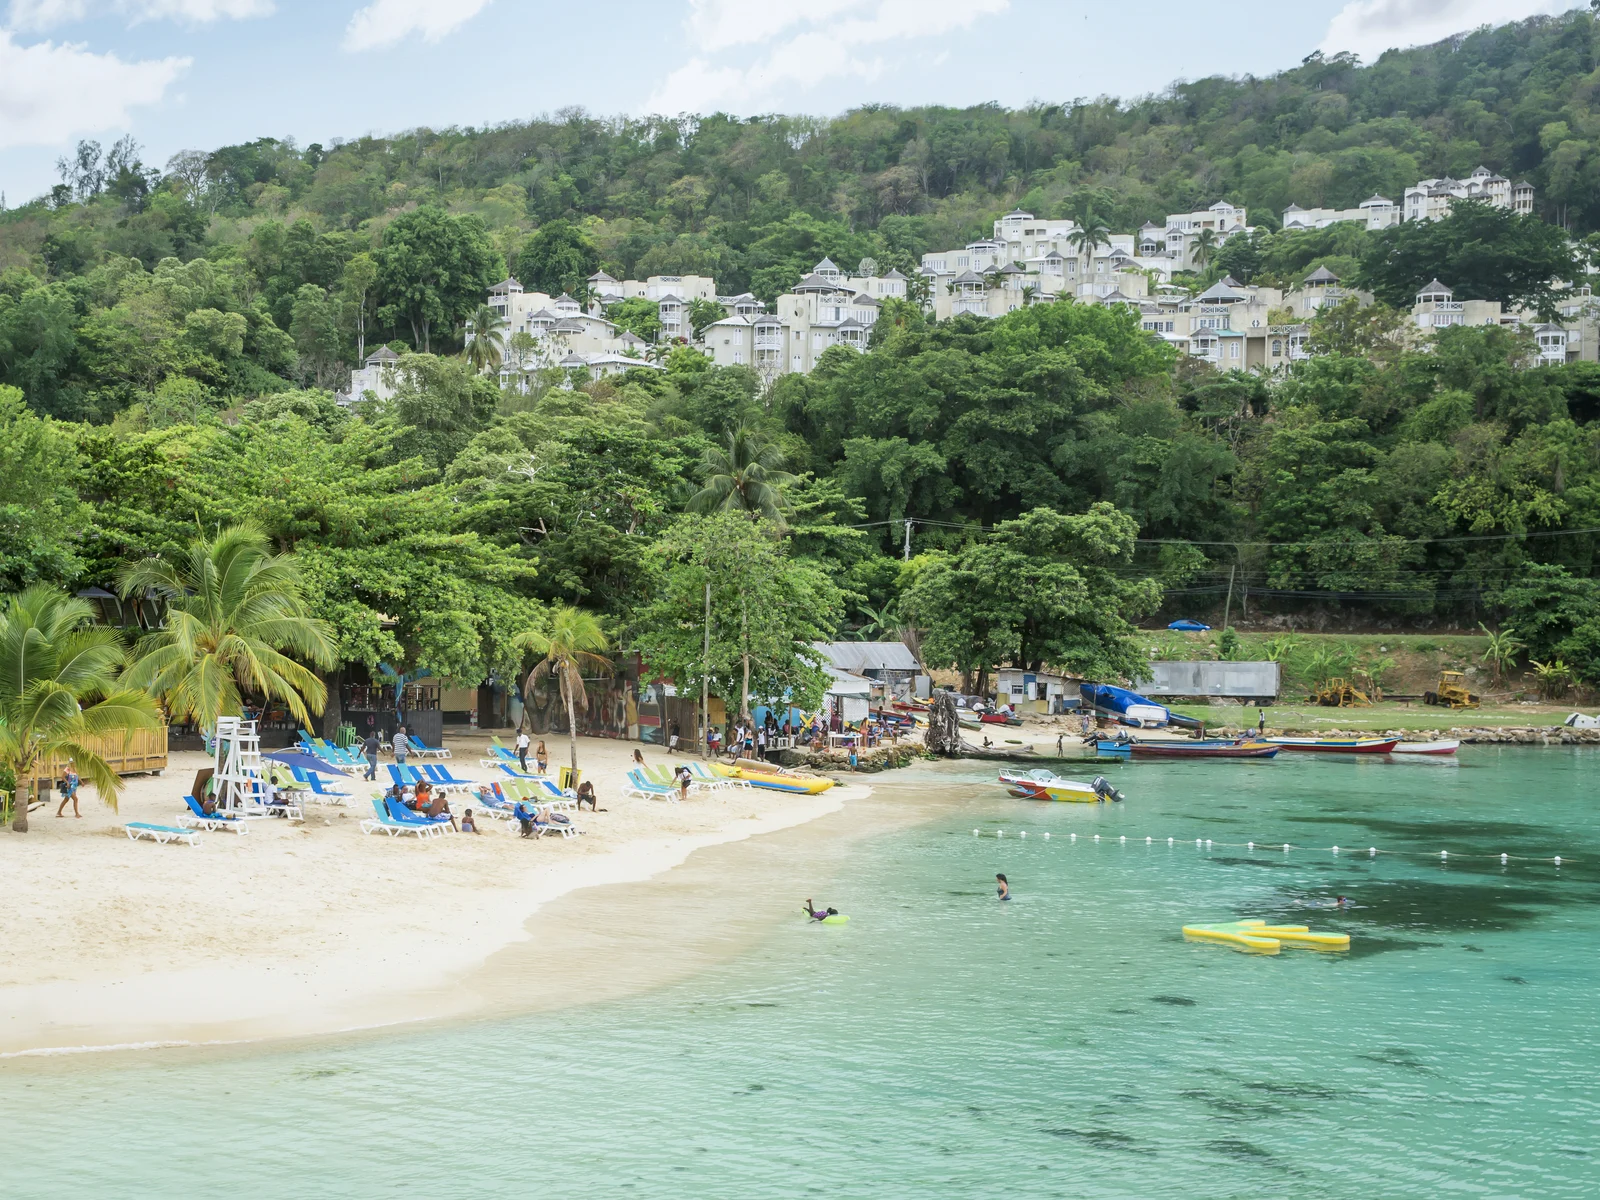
586	796
430	803
525	814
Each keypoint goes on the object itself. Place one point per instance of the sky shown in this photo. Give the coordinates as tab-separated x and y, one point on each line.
198	74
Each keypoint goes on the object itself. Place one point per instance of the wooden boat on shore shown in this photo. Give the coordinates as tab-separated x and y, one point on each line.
999	719
1434	748
1177	749
1337	745
1046	785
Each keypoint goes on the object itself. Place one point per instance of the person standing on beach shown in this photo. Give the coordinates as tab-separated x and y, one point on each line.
540	756
369	747
522	750
69	791
672	737
402	747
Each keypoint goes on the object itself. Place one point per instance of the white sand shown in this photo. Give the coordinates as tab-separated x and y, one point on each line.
294	930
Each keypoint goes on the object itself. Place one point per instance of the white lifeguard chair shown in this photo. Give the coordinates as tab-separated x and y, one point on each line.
238	772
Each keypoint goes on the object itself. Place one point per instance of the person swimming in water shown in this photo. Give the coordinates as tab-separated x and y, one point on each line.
1004	888
820	914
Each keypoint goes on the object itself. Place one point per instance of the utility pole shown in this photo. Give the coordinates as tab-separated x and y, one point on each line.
908	540
1226	608
705	679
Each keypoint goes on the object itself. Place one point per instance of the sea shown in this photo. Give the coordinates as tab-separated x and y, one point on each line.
1069	1042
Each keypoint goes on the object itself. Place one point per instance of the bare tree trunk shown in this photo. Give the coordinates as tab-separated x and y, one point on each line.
572	725
333	714
19	804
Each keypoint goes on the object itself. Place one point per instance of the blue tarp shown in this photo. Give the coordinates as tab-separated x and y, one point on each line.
1188	626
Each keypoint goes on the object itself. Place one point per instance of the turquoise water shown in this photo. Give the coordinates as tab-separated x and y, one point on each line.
1069	1043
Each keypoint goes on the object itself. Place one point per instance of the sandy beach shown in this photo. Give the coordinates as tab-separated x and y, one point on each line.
299	930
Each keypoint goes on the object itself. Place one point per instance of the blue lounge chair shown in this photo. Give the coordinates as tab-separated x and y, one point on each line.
405	775
440	777
313	781
516	774
646	789
161	834
405	816
385	823
198	818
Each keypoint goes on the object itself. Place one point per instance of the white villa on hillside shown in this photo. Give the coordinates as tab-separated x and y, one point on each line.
1427	200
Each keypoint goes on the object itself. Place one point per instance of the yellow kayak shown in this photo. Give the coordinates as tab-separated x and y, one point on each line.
1257	937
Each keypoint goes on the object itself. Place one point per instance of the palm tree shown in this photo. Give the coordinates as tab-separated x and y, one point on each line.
486	338
745	475
235	611
881	623
1030	293
1090	235
59	692
1205	247
575	641
1502	649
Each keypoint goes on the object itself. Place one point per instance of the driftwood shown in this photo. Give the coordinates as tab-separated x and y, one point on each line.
944	734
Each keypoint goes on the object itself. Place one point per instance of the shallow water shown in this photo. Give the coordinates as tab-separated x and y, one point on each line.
1069	1043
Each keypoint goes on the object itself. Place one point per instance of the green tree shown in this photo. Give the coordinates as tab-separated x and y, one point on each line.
558	258
356	289
572	642
434	269
703	312
41	515
1205	247
60	694
233	611
744	474
638	314
315	330
1481	252
1502	649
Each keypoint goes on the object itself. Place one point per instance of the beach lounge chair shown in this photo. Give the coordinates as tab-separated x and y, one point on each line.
551	796
404	815
645	789
516	774
496	806
312	781
553	826
425	751
383	822
198	818
162	834
716	782
498	755
406	775
439	775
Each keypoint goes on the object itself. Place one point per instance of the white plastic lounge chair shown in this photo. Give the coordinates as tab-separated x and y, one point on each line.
199	818
643	788
703	776
161	834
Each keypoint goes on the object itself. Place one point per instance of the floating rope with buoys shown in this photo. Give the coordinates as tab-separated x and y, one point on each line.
1285	847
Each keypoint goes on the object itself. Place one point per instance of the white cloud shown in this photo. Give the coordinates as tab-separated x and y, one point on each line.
385	23
1369	27
50	92
46	14
816	46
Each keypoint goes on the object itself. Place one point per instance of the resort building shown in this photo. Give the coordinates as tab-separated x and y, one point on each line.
373	380
1430	199
1375	212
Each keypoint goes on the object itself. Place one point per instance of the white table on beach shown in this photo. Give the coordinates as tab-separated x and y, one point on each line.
844	739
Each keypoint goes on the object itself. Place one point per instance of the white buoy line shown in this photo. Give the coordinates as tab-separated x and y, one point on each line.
1286	847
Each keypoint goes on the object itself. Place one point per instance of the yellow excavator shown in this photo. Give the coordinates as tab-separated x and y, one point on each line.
1452	692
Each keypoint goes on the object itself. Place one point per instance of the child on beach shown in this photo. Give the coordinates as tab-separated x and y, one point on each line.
468	825
820	914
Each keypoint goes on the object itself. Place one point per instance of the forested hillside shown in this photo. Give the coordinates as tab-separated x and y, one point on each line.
169	339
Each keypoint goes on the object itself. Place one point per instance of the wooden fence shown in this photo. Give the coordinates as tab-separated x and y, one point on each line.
145	750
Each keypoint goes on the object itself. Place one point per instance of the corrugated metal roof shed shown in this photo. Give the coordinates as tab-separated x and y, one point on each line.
869	656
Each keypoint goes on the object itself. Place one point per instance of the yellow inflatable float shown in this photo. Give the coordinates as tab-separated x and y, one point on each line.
1257	937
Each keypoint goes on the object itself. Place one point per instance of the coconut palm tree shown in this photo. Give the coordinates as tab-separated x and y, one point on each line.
486	338
744	475
1205	247
1092	233
574	643
235	612
60	692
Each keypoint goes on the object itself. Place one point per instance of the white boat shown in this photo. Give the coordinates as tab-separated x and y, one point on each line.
1449	747
1046	785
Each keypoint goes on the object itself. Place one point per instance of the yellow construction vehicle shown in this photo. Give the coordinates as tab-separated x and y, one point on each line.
1340	693
1452	692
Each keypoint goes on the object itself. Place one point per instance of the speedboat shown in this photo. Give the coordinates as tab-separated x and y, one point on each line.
1046	785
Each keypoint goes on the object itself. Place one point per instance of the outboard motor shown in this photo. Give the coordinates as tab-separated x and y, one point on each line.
1104	790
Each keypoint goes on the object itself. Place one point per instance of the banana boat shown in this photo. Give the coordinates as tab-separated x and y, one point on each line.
772	778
